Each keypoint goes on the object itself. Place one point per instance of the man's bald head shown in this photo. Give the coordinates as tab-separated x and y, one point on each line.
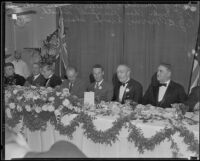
123	73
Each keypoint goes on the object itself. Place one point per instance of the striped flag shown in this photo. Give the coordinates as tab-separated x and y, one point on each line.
62	48
195	72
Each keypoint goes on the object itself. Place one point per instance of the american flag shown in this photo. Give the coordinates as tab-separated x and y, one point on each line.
195	71
62	45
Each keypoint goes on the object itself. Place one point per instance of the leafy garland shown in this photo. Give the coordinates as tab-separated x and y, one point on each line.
109	136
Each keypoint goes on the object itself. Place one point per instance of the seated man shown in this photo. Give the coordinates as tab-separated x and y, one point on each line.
128	89
75	85
48	73
10	77
166	92
193	99
102	89
36	79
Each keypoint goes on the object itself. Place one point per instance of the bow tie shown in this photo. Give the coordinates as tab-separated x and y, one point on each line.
162	84
123	84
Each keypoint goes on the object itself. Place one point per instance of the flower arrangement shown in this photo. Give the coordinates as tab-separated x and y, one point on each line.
37	101
38	105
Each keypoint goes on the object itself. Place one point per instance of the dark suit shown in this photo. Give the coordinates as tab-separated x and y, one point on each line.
134	93
193	98
54	81
15	79
175	93
105	93
78	88
39	81
60	149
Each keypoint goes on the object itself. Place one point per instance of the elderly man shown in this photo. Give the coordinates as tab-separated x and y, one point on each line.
75	85
11	78
21	67
36	79
102	89
166	92
48	73
128	88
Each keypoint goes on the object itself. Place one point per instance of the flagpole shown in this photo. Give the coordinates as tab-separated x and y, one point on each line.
196	49
191	74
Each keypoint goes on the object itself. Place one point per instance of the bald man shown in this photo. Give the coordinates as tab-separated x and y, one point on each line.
128	88
76	85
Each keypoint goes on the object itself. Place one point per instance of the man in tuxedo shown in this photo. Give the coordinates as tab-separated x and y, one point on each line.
165	92
75	85
128	89
36	79
193	98
11	78
102	89
51	79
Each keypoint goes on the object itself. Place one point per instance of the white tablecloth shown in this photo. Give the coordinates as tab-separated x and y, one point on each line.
42	141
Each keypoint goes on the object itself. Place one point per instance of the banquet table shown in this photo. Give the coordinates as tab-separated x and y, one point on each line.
42	140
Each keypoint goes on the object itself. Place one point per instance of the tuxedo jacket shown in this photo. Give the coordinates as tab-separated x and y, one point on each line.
193	98
175	93
104	92
54	81
78	89
16	79
39	81
132	92
60	149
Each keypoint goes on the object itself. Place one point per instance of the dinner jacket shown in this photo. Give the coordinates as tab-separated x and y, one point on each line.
132	92
175	93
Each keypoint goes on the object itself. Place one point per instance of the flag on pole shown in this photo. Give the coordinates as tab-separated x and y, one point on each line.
195	71
62	62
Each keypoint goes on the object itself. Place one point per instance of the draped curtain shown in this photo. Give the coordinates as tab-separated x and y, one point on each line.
140	35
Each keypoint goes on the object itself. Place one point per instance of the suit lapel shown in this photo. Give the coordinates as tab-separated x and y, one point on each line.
48	81
127	90
167	93
155	93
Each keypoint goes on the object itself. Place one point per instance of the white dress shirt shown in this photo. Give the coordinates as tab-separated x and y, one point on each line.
122	90
36	76
21	68
97	84
162	91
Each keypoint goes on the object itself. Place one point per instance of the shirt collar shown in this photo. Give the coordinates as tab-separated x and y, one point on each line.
50	76
99	83
167	82
36	75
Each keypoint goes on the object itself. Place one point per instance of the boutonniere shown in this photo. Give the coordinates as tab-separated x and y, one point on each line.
100	87
127	90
